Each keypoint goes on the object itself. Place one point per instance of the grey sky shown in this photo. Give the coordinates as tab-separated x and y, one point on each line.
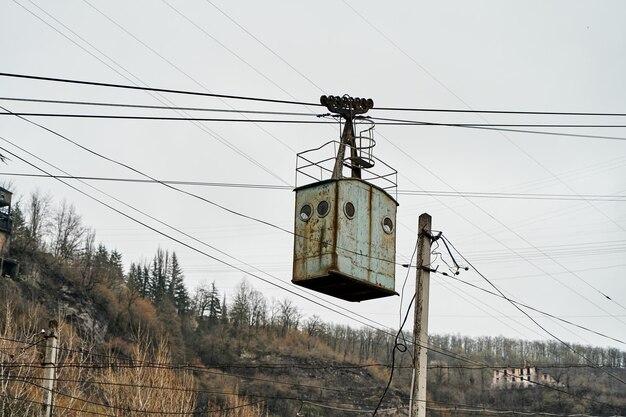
557	55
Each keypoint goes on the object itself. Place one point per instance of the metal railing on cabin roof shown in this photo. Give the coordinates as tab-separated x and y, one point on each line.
314	165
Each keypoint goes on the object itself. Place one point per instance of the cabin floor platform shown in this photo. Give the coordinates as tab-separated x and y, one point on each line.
345	287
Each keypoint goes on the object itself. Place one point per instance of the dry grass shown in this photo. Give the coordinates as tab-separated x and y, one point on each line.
88	383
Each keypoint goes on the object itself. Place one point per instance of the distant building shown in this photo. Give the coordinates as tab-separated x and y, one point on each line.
524	377
8	267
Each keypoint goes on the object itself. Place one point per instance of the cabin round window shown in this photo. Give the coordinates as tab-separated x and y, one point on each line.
388	225
349	209
323	208
305	212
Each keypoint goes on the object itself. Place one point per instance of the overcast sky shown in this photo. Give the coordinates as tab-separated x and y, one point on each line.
531	55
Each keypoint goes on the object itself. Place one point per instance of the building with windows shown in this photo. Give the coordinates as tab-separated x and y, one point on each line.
8	267
523	377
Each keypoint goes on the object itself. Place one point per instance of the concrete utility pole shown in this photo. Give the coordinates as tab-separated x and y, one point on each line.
49	368
417	406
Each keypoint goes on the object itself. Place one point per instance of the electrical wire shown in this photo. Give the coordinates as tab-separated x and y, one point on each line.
466	104
398	122
198	369
265	46
326	404
430	193
310	294
159	97
296	102
525	112
153	89
153	107
495	287
163	118
397	346
367	324
518	412
281	366
187	390
430	348
444	353
164	387
179	69
517	234
59	406
188	193
279	121
401	122
136	410
531	308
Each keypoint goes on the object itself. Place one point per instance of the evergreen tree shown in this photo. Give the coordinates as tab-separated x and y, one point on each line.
134	278
214	307
115	264
224	311
176	287
20	236
101	258
145	281
157	288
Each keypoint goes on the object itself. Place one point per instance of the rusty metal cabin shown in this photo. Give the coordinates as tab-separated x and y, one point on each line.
345	235
8	267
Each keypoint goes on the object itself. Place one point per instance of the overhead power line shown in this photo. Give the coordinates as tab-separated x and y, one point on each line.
132	78
431	75
530	307
367	323
242	111
440	193
482	111
197	249
164	118
183	191
318	403
290	121
192	194
59	406
303	103
335	307
153	89
398	122
224	96
514	304
153	107
402	122
130	410
59	178
440	351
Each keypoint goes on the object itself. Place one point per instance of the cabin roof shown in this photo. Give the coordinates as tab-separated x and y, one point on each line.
318	183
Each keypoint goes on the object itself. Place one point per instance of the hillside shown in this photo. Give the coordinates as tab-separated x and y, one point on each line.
139	342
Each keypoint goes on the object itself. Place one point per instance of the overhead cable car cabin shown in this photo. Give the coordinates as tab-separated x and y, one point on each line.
345	213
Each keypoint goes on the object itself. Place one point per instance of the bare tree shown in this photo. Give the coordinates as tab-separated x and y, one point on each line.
38	216
68	231
258	308
202	299
313	326
289	316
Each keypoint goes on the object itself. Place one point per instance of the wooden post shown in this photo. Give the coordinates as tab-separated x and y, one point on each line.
49	368
417	406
